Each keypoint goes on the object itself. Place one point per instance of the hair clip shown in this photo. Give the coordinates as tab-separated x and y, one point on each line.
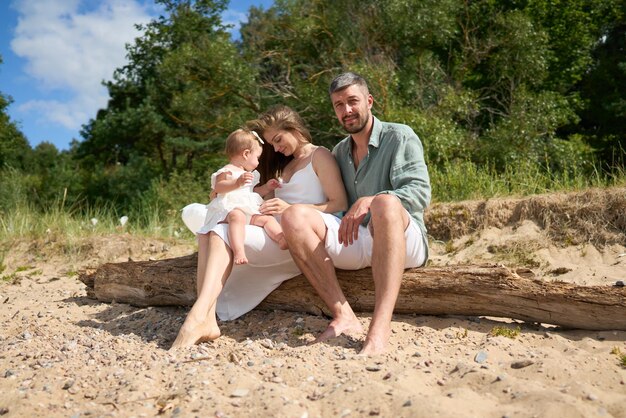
257	137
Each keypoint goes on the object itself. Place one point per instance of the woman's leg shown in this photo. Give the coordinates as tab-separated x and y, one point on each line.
215	262
271	227
236	231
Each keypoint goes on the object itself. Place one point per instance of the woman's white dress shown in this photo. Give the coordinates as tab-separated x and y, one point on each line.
243	198
268	266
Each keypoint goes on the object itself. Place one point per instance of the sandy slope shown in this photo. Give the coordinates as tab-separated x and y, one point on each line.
62	354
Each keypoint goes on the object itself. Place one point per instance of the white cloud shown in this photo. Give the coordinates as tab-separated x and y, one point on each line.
69	114
70	49
235	18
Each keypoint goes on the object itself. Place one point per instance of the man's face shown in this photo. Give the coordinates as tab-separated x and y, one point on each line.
352	106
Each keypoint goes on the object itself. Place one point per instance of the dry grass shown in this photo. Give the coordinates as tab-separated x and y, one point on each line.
596	216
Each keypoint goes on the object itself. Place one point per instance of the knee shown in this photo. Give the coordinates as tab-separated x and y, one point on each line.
386	207
293	218
236	215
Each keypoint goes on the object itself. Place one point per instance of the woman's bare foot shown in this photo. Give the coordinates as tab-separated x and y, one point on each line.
194	332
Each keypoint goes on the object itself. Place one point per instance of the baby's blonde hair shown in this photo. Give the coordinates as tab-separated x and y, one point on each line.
239	141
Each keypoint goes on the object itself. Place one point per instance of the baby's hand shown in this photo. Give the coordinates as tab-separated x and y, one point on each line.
245	178
274	184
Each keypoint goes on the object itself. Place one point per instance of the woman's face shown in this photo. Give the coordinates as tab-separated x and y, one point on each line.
285	142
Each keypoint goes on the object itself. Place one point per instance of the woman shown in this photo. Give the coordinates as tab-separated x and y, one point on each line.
309	176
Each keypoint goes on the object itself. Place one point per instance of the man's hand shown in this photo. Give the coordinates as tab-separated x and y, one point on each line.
349	227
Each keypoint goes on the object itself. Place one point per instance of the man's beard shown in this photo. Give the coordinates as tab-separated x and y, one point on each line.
355	129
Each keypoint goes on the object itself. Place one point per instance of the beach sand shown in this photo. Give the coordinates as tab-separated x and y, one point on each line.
62	354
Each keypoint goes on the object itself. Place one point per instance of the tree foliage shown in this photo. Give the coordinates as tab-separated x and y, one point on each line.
493	83
14	147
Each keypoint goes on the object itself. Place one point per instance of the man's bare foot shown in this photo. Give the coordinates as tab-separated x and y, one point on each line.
239	257
337	327
373	346
376	340
194	332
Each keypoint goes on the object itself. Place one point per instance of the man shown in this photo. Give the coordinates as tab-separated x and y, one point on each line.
386	179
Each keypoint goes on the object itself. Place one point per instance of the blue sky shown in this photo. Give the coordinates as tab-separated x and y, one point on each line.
56	53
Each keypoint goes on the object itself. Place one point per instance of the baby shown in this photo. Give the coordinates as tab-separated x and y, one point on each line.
237	202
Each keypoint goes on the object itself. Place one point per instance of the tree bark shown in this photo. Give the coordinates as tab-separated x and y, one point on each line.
473	290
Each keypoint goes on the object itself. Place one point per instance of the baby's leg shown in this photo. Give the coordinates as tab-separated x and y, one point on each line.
236	231
272	227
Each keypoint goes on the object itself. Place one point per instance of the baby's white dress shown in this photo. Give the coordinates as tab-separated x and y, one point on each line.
268	266
243	198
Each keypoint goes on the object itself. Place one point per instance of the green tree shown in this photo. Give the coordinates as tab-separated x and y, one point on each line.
185	87
14	147
604	94
181	74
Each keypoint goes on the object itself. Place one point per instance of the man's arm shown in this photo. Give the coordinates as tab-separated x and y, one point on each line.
409	175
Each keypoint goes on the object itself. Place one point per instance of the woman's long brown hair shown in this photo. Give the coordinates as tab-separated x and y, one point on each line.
283	118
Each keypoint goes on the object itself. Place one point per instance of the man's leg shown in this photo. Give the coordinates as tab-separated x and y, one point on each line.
305	232
388	221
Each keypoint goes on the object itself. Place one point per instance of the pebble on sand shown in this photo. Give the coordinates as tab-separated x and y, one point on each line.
239	393
521	364
480	357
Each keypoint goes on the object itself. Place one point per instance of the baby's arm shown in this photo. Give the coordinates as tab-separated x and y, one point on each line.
223	184
268	187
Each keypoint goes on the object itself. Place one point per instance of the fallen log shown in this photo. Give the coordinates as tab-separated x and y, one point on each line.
471	290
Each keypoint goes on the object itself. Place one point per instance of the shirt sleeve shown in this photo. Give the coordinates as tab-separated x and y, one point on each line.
409	174
214	176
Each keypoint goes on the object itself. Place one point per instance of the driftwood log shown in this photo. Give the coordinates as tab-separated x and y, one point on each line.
456	290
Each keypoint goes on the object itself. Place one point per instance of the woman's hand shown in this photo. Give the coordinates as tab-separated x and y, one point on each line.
273	206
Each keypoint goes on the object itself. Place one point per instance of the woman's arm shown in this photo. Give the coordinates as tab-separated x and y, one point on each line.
327	171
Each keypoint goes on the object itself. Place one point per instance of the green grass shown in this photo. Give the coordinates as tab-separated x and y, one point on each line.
465	180
13	277
505	332
67	224
621	358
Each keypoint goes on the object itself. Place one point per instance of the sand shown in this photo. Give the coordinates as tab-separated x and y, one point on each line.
62	354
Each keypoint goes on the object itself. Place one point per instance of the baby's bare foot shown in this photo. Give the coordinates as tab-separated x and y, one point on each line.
240	257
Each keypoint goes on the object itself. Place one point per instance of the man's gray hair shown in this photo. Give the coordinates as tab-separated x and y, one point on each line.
345	80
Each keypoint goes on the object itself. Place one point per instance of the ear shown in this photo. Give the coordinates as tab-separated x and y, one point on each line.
246	153
370	101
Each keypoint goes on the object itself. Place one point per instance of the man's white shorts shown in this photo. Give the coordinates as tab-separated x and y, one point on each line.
359	254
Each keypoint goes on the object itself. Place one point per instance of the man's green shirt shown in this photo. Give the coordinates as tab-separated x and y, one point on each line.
394	164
